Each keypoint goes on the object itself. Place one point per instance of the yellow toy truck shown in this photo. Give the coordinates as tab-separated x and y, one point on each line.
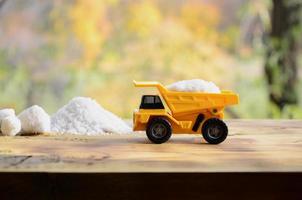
182	112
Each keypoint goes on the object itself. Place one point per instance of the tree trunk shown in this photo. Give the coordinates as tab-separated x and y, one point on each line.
282	52
2	3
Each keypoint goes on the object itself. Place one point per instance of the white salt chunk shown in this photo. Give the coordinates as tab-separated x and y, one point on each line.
34	120
194	85
10	126
6	112
84	116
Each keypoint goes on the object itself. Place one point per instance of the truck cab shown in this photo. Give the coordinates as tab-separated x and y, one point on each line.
150	106
151	102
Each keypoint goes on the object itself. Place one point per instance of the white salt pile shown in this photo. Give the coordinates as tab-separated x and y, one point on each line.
34	120
194	85
10	126
85	116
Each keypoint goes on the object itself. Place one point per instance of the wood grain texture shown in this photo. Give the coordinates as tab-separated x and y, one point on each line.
252	146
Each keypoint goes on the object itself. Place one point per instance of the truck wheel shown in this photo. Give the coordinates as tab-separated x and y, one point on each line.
214	131
159	130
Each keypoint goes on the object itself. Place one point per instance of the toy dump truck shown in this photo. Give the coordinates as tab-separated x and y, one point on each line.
182	112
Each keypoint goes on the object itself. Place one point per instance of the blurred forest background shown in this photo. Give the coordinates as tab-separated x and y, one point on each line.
51	51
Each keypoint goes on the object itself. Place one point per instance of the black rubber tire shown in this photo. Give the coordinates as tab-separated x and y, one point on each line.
214	131
162	125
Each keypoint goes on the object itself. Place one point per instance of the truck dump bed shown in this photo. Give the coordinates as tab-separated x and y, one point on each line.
188	102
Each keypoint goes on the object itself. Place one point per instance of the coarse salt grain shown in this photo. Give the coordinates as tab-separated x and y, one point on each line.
6	112
34	120
10	126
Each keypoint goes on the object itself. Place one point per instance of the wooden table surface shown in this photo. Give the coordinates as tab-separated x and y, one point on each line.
252	146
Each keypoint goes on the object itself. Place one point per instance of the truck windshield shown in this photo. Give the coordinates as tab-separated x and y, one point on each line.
151	102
